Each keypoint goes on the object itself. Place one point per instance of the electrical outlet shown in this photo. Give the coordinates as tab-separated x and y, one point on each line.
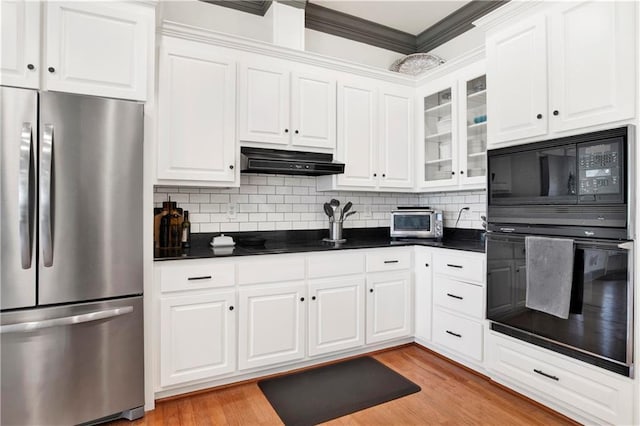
232	211
366	212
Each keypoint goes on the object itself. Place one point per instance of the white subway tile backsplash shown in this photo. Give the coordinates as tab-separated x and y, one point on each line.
268	202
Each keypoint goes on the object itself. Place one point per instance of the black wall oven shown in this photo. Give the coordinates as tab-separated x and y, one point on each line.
579	188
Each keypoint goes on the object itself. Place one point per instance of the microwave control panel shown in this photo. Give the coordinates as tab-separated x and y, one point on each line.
600	168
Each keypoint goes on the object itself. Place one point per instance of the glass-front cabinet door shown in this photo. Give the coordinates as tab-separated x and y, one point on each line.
454	153
473	135
440	156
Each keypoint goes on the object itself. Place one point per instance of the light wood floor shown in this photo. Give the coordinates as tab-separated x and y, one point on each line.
451	395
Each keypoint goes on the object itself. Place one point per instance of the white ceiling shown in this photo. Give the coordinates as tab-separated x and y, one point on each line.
412	17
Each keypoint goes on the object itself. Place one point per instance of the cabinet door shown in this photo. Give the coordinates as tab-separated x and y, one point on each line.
473	127
98	48
440	143
517	77
356	145
395	156
197	336
592	64
336	315
264	104
20	48
196	103
388	306
423	293
272	325
313	111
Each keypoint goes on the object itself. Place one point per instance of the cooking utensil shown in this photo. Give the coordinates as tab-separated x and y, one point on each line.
334	205
345	209
349	214
328	210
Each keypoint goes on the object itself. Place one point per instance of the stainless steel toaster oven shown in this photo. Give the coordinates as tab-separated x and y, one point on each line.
416	223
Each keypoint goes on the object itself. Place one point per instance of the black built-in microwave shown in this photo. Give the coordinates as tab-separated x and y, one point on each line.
577	181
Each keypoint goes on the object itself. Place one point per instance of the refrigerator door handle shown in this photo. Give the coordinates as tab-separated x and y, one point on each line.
46	157
26	327
24	185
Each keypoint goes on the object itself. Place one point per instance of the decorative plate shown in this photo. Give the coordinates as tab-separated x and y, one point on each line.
416	63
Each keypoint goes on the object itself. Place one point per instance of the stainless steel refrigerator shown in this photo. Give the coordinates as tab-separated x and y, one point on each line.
71	324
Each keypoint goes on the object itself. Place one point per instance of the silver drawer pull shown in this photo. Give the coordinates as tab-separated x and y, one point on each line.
454	296
204	277
507	229
454	266
542	373
453	334
391	261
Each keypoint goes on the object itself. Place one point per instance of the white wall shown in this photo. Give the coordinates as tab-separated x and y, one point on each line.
338	47
458	46
215	18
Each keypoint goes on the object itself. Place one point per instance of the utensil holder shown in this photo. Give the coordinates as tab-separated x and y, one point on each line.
335	230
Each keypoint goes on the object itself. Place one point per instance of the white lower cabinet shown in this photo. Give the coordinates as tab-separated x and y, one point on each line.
458	303
389	310
271	324
336	315
198	336
587	393
423	294
458	334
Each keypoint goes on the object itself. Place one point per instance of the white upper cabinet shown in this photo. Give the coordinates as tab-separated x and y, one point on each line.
313	111
196	115
375	137
517	75
264	104
357	119
395	153
592	64
286	109
92	48
20	54
453	141
569	68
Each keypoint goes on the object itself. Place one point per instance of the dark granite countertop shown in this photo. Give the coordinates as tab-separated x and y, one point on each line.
278	242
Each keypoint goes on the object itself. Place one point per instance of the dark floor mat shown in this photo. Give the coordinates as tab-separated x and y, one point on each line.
324	393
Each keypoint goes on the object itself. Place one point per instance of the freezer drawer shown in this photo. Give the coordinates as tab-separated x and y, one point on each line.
71	364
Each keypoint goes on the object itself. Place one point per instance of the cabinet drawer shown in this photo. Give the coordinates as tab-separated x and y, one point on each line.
187	275
269	269
332	265
459	334
467	267
583	388
388	260
458	296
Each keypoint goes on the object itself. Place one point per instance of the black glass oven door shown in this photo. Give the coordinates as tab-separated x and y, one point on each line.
539	176
601	309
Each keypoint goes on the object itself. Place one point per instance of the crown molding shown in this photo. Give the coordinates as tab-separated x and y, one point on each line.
353	28
188	32
455	24
255	7
300	4
507	13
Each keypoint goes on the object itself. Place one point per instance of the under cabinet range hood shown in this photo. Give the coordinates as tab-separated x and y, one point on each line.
277	161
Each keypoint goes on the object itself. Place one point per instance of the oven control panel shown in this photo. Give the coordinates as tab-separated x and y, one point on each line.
600	168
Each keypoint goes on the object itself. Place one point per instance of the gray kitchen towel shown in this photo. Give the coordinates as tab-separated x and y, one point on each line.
549	275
